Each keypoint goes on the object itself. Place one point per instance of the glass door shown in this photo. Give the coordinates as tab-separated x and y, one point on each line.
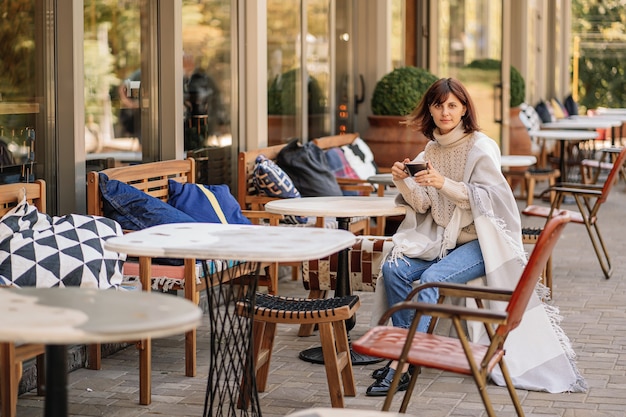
21	89
207	88
470	49
314	35
112	67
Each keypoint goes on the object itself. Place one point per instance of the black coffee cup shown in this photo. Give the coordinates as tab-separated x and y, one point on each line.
413	168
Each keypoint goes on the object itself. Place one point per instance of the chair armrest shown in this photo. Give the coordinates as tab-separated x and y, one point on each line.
464	291
256	215
354	184
447	311
589	192
611	150
579	185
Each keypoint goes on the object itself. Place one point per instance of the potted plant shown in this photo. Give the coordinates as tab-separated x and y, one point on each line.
395	95
281	107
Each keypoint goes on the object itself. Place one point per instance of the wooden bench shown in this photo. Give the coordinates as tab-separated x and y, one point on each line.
12	355
249	199
152	178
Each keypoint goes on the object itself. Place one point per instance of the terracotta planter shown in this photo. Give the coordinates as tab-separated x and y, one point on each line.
519	142
519	139
390	141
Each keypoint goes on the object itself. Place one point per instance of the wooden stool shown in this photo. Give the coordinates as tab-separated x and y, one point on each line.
529	237
530	178
330	315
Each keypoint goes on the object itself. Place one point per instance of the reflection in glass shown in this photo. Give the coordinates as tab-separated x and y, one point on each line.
207	73
284	48
470	30
19	107
207	88
112	62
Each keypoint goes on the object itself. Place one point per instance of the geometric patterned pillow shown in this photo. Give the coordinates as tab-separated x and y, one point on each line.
271	180
37	250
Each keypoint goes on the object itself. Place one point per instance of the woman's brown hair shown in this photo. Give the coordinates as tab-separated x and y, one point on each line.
421	119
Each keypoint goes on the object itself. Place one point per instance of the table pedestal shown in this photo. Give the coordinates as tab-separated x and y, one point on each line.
231	385
342	287
56	381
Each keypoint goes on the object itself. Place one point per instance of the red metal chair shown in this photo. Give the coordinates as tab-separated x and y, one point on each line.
589	198
459	355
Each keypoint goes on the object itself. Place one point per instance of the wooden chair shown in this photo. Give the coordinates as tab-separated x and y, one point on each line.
329	315
589	199
12	355
250	200
529	179
152	178
462	356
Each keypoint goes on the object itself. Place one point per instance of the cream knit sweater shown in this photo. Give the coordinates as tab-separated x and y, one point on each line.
448	155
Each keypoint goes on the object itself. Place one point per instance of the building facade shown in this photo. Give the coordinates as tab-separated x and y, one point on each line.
84	81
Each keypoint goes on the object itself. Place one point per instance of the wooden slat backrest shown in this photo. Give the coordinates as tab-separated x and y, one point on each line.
246	193
335	141
10	195
151	178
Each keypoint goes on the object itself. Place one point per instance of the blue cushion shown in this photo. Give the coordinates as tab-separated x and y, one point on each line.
135	210
271	180
206	203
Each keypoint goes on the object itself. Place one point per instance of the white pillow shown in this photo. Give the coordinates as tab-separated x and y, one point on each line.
360	158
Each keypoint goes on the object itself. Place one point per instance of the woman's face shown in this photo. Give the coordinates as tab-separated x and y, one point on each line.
448	114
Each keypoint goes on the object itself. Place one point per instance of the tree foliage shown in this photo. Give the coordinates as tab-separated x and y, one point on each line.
17	49
601	28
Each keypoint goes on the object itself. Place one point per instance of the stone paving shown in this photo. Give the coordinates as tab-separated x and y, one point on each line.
594	317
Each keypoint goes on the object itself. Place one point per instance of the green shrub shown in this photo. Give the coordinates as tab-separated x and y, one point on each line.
398	92
281	94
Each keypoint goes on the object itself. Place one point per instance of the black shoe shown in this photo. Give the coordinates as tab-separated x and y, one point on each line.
381	386
381	372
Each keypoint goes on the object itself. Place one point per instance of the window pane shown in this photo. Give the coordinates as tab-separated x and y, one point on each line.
283	34
207	73
112	60
207	88
19	107
472	30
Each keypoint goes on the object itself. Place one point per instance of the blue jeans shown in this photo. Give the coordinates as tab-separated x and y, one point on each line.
461	265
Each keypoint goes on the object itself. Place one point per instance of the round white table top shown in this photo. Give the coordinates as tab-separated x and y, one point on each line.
589	123
384	179
232	242
341	206
509	161
564	134
606	110
620	117
80	315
